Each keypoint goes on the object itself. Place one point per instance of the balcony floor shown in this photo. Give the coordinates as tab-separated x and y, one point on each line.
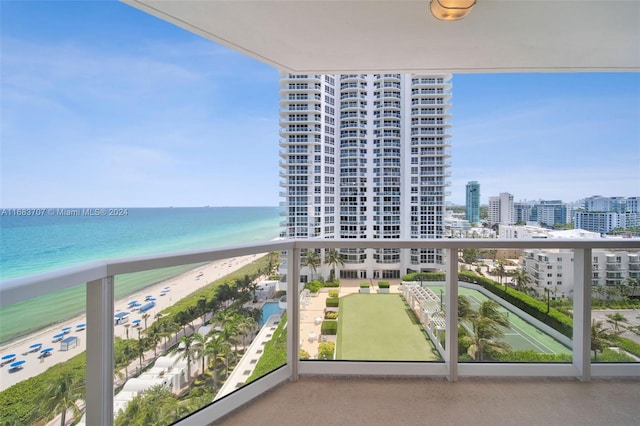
409	401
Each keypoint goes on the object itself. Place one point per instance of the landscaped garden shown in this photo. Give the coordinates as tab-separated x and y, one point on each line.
380	327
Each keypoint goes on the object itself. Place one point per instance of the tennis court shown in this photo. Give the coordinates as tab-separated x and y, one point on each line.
521	335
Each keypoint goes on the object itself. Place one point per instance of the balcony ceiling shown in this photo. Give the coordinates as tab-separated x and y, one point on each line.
401	35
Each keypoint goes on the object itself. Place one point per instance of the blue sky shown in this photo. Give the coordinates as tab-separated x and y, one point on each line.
103	105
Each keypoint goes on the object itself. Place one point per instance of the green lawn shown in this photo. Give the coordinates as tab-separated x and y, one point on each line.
379	327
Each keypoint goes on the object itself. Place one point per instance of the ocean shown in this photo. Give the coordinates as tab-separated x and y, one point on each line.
51	239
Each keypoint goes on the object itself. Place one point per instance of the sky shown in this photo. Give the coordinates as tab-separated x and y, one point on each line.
105	106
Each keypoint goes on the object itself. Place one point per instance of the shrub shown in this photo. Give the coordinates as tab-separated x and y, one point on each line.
334	293
383	284
424	276
364	285
332	302
303	354
329	328
326	350
331	315
334	283
313	286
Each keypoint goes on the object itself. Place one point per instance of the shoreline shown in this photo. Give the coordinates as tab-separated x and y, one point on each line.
181	286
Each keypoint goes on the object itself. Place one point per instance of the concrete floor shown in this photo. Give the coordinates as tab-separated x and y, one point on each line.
352	401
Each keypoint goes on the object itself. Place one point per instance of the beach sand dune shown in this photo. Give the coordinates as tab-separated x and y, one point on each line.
179	287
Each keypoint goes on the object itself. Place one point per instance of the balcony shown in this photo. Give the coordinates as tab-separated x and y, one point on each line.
100	308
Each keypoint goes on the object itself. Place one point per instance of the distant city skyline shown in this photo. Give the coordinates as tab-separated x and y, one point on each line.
145	114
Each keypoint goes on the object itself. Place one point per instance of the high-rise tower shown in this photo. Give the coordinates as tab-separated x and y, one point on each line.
364	157
473	202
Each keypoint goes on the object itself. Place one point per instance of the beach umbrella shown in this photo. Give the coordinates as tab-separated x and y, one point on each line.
133	302
8	357
35	347
167	288
66	329
58	336
45	352
80	326
17	364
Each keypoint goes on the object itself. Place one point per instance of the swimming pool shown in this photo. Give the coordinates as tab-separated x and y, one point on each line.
268	309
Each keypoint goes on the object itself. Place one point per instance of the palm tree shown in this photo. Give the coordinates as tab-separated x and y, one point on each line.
615	319
64	393
521	278
273	263
199	342
153	334
126	329
188	351
311	259
145	317
333	258
216	350
486	331
246	325
633	283
501	271
600	337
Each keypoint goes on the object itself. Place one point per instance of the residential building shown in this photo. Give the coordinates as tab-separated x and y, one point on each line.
501	209
472	203
603	222
364	156
551	270
549	213
522	211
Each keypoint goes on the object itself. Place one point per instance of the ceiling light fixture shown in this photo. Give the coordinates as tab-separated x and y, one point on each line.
451	10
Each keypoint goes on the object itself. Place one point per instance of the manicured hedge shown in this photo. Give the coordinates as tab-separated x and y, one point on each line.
424	276
531	356
528	304
275	352
329	328
332	284
334	293
626	344
332	302
331	315
364	285
383	284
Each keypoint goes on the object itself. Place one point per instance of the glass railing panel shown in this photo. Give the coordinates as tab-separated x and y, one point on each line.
615	319
351	313
42	361
199	333
504	314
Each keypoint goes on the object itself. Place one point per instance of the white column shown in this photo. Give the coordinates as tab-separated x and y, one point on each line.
99	335
582	312
293	311
451	314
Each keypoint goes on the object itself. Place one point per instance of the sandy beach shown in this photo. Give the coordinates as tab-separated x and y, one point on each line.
179	287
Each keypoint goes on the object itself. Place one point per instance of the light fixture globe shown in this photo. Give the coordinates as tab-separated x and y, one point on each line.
451	10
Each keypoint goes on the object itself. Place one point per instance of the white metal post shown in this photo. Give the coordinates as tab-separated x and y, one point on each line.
99	335
582	312
293	311
451	313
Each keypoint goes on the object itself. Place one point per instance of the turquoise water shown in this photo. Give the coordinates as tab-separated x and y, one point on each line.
268	309
34	244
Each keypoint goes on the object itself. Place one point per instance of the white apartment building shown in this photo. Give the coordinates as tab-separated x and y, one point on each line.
553	269
365	156
501	209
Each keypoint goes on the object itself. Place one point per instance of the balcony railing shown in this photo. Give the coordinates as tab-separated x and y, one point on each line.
99	279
